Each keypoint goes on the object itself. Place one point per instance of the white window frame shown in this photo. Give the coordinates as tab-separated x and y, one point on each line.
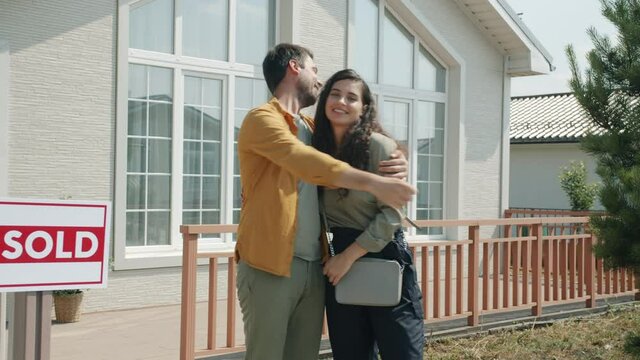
170	255
413	96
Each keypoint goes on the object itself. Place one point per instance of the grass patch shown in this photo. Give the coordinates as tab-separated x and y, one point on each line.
612	335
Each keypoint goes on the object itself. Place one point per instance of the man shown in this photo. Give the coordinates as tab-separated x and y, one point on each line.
280	282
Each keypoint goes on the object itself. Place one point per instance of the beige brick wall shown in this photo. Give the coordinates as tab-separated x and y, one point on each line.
323	29
483	109
152	287
61	109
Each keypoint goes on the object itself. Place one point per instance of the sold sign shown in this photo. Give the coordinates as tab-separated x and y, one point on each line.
47	245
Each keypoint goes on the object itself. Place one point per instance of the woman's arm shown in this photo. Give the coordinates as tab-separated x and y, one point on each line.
380	230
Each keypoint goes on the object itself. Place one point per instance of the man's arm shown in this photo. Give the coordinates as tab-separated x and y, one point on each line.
393	192
270	137
267	135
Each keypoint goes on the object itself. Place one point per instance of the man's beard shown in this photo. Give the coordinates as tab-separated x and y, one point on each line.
308	95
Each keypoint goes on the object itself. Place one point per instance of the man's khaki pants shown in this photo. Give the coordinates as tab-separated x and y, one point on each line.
282	316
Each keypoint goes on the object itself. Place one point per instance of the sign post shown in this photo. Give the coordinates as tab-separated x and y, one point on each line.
49	245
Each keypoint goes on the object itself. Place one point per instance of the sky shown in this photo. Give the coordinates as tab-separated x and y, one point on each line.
557	23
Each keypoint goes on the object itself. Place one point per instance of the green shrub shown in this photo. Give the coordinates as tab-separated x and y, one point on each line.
67	292
573	180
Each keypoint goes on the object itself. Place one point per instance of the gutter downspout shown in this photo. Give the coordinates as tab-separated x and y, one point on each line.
5	310
505	142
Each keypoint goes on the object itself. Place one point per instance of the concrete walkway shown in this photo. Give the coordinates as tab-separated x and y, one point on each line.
154	333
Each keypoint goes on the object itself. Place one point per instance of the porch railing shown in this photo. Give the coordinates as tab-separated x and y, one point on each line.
500	265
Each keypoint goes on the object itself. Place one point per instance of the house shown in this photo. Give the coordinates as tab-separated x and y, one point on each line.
545	135
139	102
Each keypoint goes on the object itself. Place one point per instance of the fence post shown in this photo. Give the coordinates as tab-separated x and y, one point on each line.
213	304
537	271
589	271
188	306
474	262
231	302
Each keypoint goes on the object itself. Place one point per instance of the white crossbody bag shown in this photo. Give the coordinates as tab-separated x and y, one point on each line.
369	282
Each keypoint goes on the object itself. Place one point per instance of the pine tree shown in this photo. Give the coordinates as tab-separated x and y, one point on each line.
609	91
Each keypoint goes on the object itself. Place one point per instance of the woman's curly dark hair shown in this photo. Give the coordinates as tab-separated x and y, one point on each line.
354	148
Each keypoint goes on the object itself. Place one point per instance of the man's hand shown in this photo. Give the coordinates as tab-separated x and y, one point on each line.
393	192
396	167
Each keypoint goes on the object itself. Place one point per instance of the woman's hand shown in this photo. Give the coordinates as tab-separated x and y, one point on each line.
337	266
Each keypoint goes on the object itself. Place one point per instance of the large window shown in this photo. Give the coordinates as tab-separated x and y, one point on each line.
410	86
192	75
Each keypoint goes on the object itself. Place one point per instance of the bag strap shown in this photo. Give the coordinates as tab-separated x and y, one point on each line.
327	229
329	234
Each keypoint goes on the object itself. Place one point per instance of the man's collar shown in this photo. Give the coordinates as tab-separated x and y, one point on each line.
289	117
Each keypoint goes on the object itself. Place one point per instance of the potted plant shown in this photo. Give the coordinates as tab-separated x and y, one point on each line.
67	305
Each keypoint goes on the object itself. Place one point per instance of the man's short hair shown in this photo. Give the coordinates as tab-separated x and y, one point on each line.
275	64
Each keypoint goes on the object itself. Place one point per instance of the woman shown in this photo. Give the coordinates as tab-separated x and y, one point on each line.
346	128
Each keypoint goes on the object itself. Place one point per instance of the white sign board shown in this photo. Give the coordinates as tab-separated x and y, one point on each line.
53	245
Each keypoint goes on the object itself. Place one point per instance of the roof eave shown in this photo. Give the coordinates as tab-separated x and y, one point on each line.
500	23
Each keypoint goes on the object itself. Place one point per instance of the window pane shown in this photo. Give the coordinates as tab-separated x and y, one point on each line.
192	117
211	159
437	147
430	72
425	122
211	93
191	158
158	228
160	116
137	118
439	116
365	39
136	155
211	193
429	215
244	92
191	192
160	84
204	28
159	192
159	156
435	196
136	191
423	194
436	169
191	217
396	120
435	215
423	167
151	26
422	215
211	217
135	228
137	81
398	53
192	90
255	30
236	162
212	123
